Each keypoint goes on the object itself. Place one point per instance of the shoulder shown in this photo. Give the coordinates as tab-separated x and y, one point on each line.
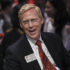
16	46
50	35
52	38
9	30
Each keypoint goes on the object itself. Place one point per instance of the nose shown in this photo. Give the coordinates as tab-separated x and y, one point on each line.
30	24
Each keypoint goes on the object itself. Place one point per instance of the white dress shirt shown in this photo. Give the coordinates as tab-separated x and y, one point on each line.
48	26
36	52
1	25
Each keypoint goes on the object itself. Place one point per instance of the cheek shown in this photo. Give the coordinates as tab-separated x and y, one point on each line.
39	27
22	26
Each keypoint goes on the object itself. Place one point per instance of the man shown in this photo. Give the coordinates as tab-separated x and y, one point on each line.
24	54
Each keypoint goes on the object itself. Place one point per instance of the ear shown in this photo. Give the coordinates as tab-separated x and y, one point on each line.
21	25
42	20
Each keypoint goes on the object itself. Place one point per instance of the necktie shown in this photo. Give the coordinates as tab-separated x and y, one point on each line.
45	61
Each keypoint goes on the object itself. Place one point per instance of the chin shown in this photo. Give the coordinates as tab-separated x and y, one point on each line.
35	38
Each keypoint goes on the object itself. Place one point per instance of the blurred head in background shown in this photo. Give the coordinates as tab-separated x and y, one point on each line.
55	8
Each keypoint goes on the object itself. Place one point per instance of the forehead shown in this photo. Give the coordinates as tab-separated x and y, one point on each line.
31	13
48	3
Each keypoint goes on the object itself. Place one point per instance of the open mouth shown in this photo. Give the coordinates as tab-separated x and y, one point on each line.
32	31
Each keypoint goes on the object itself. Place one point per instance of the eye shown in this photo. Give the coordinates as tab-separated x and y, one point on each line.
34	20
25	22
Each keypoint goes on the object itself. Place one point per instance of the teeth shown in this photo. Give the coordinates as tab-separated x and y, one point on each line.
31	30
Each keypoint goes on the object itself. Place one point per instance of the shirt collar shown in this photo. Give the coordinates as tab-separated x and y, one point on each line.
32	40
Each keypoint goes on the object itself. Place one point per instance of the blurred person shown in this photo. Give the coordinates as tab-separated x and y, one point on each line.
24	54
67	3
4	23
15	32
1	36
1	12
7	10
40	4
68	44
22	1
31	1
66	29
12	34
1	24
56	12
66	32
49	17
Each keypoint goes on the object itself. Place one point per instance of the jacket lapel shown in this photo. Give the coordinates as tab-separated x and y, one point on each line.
51	48
27	51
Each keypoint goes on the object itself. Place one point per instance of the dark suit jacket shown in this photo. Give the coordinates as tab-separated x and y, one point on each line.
14	59
11	37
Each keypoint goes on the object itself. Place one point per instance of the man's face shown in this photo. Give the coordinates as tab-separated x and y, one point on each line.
31	23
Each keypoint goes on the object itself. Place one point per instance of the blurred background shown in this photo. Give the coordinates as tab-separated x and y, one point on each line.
56	15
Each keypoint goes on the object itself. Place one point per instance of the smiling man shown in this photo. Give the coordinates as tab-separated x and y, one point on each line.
31	22
35	50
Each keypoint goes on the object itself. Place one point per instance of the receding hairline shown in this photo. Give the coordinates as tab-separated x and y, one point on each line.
27	7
